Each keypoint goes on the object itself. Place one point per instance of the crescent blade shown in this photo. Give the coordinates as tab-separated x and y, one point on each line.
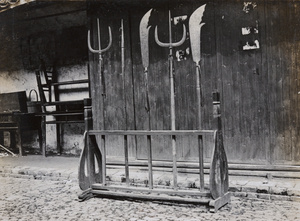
195	26
144	33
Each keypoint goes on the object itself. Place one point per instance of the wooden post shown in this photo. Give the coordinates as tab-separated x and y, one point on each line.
43	129
201	162
84	176
150	171
18	138
88	118
126	160
103	155
88	174
172	105
218	177
90	148
59	133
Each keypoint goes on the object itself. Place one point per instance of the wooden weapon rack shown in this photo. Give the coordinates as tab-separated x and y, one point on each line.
92	168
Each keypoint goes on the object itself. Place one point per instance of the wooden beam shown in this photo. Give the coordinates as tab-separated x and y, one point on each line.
147	190
152	132
193	165
118	195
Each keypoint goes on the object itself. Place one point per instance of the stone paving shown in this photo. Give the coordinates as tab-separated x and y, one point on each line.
33	199
37	188
60	168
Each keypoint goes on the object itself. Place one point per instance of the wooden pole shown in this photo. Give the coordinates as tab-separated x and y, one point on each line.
123	69
170	44
150	171
201	162
172	105
198	89
103	154
126	160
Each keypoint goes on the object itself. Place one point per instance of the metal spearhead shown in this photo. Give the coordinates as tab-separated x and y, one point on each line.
195	26
100	50
144	33
170	44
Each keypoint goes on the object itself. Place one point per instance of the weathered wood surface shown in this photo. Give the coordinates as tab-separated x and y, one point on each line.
92	168
116	106
166	198
98	186
218	173
219	202
258	87
90	164
91	160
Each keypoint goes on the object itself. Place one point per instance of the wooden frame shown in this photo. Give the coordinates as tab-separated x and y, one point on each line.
15	119
92	168
70	111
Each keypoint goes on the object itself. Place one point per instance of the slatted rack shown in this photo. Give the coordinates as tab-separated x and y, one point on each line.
93	180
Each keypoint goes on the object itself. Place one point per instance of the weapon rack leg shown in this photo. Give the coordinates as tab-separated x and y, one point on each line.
216	204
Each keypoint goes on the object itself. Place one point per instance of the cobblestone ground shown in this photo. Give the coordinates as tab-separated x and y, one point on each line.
29	199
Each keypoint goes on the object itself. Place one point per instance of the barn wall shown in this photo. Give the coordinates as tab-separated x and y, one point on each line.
249	54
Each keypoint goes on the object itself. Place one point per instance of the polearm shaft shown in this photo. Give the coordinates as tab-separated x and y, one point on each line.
199	95
170	45
195	26
172	105
102	80
144	38
123	68
171	71
124	99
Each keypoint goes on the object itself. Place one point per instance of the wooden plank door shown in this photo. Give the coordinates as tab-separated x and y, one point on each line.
113	107
159	82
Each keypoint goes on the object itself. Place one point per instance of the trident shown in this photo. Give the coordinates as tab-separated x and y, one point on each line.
170	45
99	52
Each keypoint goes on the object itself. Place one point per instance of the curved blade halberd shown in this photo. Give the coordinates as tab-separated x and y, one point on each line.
195	26
144	33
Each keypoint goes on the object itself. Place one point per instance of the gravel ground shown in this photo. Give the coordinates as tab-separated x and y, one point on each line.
29	199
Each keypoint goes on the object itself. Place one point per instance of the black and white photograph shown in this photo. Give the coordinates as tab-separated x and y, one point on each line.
149	110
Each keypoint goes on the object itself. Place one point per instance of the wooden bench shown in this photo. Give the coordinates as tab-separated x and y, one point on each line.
92	169
15	119
60	112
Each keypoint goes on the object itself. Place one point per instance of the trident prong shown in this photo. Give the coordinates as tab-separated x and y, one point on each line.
170	44
99	51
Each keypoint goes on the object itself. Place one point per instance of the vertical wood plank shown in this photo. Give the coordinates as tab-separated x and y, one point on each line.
201	162
275	80
126	160
175	172
295	109
264	76
103	151
150	171
285	62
